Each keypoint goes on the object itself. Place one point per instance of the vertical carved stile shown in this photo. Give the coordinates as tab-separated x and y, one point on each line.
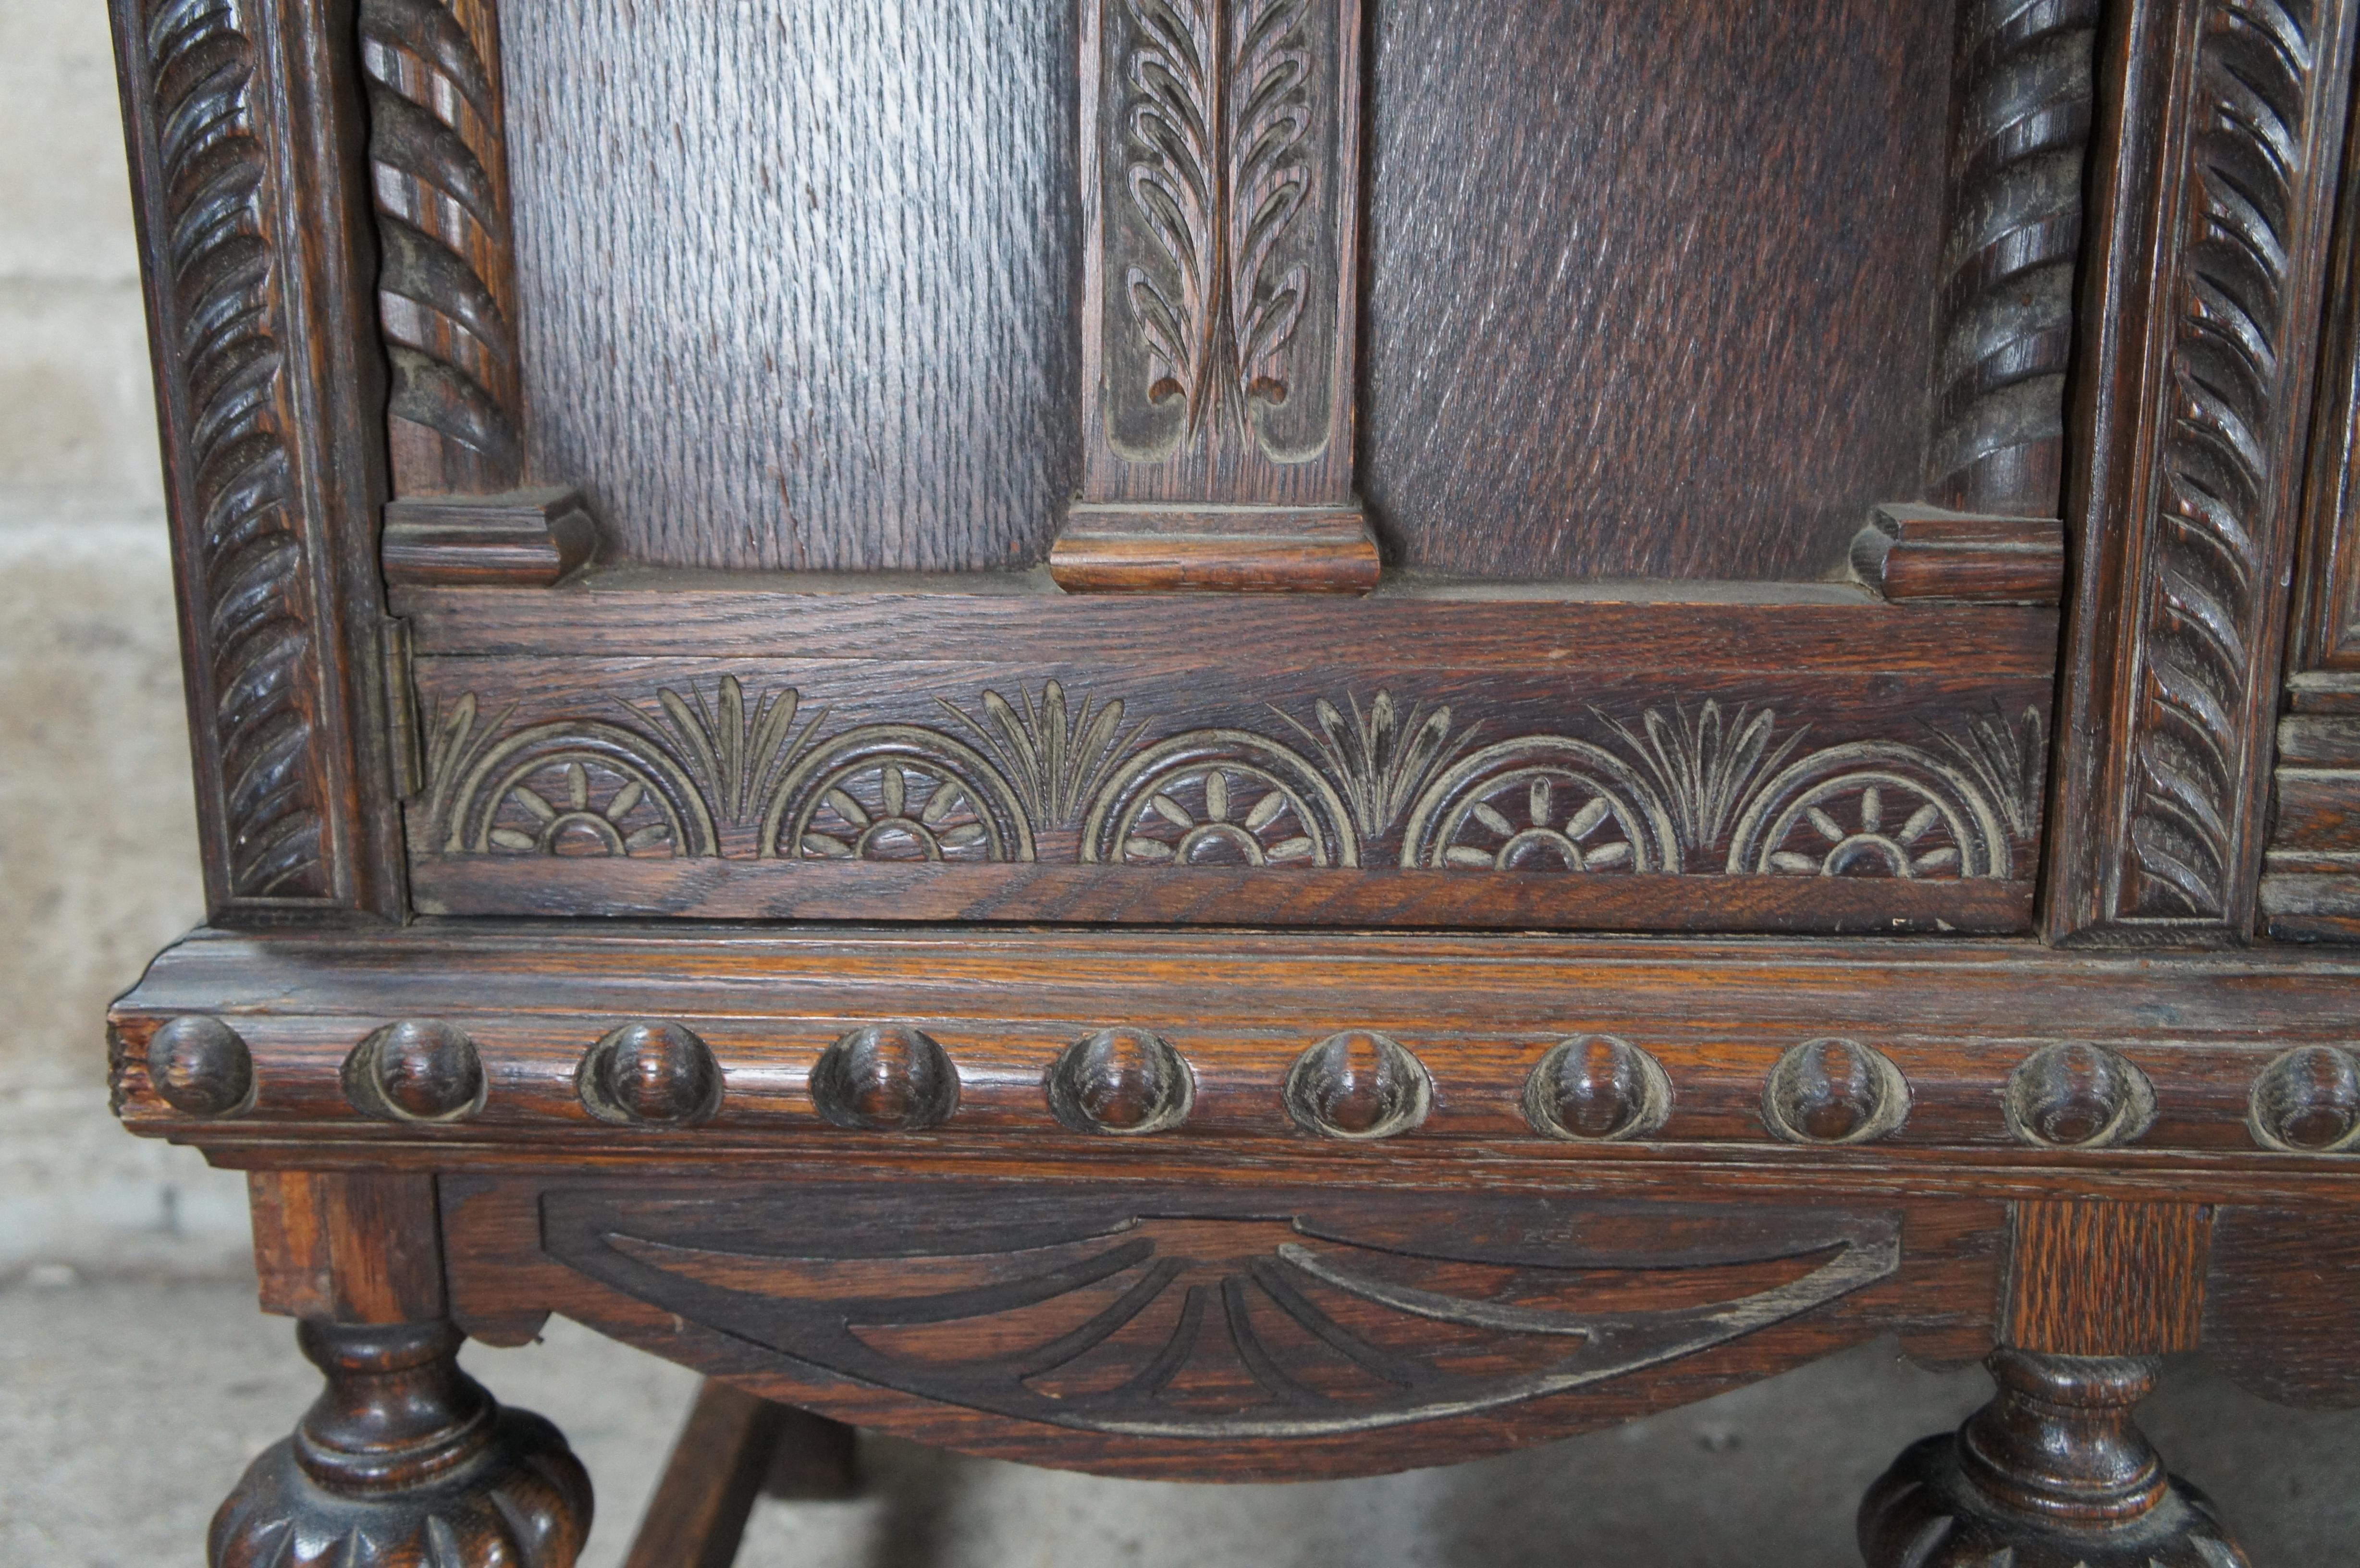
2015	235
2197	410
1221	178
447	284
255	601
255	391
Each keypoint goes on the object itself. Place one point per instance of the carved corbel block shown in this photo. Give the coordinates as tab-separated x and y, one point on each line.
1221	178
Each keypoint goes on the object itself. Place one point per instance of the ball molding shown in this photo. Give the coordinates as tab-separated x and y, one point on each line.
1128	1081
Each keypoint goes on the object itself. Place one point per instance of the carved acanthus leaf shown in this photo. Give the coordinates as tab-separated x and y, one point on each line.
1219	116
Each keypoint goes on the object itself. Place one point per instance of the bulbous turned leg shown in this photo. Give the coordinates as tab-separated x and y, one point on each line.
405	1462
2051	1474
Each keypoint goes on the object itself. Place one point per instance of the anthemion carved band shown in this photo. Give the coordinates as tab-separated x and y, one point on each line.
1039	776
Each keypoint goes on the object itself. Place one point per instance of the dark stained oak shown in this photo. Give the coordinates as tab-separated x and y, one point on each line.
1923	552
1651	286
1697	886
250	191
2193	412
773	321
2051	1474
408	1455
528	539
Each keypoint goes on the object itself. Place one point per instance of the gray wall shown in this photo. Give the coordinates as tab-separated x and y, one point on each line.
98	855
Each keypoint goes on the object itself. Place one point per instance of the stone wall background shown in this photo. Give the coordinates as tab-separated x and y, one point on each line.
98	854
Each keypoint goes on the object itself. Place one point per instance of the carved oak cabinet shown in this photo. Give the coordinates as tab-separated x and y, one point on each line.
1259	739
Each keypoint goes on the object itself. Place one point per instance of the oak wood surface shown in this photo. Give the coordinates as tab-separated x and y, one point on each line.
1959	1019
2213	203
2105	1278
1650	286
2280	1309
775	319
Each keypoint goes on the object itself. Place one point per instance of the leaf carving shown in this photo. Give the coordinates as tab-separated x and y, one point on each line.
1218	113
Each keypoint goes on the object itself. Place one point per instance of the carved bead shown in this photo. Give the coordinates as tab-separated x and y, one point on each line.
1596	1088
2076	1096
1835	1091
420	1070
1358	1084
885	1078
201	1067
651	1074
1121	1081
2307	1102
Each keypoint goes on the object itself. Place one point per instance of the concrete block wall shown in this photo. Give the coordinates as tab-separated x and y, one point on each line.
98	864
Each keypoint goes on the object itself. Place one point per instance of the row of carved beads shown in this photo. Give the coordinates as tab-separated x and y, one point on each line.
1358	1084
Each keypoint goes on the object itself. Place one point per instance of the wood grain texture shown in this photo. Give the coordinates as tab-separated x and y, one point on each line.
2054	1472
347	1248
1923	552
2282	1305
446	272
1521	765
1149	549
2021	124
1650	286
1221	185
2107	1279
2213	208
245	137
797	277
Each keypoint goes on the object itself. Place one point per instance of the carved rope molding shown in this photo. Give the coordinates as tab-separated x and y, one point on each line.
447	288
2195	530
1039	777
2015	238
255	662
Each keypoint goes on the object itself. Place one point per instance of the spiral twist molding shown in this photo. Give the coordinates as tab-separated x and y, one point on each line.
2014	233
446	291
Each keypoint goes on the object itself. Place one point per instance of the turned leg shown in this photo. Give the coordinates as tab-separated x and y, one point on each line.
405	1462
2052	1474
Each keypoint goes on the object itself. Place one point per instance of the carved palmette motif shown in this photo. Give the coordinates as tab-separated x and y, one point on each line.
1708	791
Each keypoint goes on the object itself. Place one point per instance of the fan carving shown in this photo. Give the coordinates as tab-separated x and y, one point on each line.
1176	1323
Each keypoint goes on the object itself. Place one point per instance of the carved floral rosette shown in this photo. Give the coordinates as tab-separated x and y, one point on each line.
1386	785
